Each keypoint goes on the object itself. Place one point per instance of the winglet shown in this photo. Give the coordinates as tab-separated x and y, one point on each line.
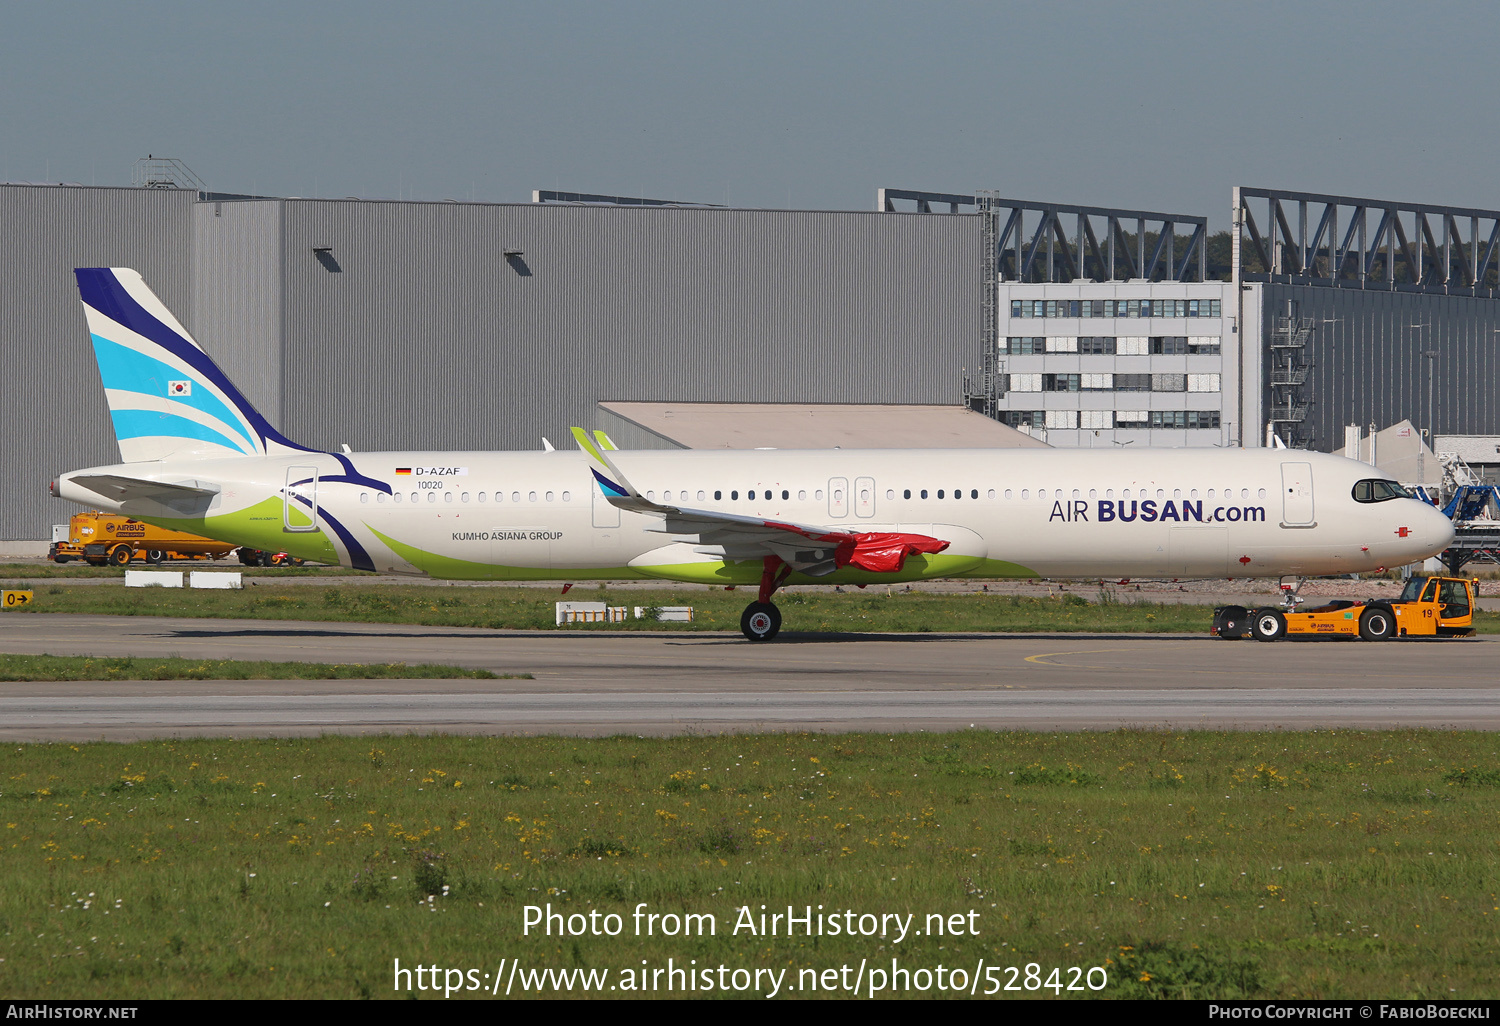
585	443
616	488
605	442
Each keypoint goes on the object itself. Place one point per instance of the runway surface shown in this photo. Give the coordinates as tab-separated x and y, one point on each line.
615	682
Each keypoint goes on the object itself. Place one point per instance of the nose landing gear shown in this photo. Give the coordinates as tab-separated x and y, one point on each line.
761	620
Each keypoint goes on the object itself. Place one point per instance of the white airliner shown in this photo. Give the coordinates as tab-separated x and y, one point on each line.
198	457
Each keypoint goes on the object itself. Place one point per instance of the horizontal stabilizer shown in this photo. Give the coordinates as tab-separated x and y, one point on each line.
124	489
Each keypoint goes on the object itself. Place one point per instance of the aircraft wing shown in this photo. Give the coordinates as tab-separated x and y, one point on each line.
811	549
117	486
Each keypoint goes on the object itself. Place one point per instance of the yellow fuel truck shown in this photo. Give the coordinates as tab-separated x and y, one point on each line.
101	538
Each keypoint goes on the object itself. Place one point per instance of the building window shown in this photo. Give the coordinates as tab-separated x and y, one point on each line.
1203	383
1115	308
1169	345
1062	419
1132	382
1185	418
1061	382
1025	382
1097	382
1169	382
1023	418
1096	420
1025	346
1097	345
1132	345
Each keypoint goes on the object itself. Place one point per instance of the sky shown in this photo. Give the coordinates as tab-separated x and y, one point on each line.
1161	106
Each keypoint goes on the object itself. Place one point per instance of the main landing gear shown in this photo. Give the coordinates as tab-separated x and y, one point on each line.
761	620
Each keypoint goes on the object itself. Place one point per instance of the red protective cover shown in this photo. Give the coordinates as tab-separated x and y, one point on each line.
884	552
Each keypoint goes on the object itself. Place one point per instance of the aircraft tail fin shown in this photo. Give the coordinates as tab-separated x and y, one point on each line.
166	397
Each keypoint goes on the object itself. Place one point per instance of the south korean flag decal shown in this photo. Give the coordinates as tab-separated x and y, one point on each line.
179	388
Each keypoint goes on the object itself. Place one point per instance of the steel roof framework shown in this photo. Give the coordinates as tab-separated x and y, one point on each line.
1033	243
1347	242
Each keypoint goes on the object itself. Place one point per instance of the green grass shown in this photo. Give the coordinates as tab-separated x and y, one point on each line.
1326	864
49	571
715	609
50	668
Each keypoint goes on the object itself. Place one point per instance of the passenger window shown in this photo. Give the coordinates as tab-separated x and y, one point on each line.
481	496
818	495
364	496
801	494
906	494
566	496
515	496
700	494
1008	493
414	496
448	497
718	495
464	497
549	496
924	493
992	493
734	495
531	496
785	494
380	497
974	493
1025	493
395	496
431	498
890	493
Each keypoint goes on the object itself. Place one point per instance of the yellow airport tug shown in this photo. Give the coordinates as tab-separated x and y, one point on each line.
1441	607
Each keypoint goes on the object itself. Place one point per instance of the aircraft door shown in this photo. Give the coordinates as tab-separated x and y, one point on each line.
605	515
1297	495
299	506
864	496
838	496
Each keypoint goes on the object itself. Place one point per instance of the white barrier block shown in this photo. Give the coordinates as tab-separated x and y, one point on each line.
589	612
153	578
674	614
214	579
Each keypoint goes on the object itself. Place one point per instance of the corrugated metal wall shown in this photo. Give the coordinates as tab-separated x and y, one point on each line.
238	295
54	413
417	331
1368	363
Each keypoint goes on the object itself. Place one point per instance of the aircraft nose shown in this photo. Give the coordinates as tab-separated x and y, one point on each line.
1434	530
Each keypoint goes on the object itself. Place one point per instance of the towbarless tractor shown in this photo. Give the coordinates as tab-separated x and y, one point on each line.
1428	607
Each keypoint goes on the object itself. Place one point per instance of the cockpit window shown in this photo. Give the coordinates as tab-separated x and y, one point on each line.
1377	490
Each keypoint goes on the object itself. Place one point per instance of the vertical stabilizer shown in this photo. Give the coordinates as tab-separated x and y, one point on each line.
166	397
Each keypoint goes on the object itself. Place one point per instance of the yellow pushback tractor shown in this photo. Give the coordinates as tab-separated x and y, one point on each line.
108	538
1428	607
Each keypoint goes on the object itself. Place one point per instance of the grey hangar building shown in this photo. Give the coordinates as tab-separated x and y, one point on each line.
459	325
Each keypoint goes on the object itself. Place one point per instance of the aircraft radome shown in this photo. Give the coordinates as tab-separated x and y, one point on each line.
196	456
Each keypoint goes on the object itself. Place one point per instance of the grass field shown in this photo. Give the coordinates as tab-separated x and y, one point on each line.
716	609
57	668
1324	864
50	571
